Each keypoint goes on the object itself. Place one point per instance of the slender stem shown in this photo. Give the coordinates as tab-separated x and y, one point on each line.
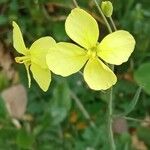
113	24
83	110
110	103
110	117
103	16
137	120
75	3
110	120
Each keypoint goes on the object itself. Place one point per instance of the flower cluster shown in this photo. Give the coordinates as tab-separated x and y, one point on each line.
63	58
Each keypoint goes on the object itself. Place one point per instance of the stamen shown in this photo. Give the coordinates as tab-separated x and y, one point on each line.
92	52
22	59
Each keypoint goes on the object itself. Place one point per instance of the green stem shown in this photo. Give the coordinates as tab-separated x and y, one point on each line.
136	120
75	3
113	24
110	120
110	117
83	110
103	16
110	103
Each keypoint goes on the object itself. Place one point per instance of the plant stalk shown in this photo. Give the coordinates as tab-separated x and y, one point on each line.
136	120
110	120
83	110
103	16
110	103
113	24
75	3
110	117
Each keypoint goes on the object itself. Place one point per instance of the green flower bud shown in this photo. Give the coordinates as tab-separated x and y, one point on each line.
107	8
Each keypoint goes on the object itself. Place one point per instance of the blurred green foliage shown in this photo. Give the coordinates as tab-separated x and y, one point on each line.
51	127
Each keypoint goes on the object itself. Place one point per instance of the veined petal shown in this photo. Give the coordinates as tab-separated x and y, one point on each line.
28	74
116	47
98	76
66	59
18	41
82	28
42	76
39	50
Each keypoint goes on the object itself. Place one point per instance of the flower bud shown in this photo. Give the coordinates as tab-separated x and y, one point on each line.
107	8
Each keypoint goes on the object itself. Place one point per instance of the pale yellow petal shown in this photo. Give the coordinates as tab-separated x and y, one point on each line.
39	50
42	76
82	28
18	41
98	76
66	59
116	47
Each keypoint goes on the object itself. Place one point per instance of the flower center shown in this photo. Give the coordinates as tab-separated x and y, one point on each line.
92	52
23	59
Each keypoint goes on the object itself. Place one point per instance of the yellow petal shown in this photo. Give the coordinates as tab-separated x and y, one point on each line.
66	59
98	76
116	47
42	76
18	41
28	74
82	28
39	50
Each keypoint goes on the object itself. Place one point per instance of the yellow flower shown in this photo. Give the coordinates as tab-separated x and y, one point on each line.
66	58
34	58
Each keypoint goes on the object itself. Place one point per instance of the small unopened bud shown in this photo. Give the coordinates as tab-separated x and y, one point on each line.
107	8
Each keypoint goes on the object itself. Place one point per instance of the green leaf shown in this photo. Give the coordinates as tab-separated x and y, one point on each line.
133	102
123	141
59	32
8	134
61	103
24	139
3	109
3	1
142	77
3	81
3	19
144	134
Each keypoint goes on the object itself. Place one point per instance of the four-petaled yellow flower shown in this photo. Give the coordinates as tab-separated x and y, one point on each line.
65	58
34	57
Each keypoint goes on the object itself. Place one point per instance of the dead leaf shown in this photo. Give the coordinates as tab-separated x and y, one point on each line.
146	122
137	144
6	62
81	125
73	118
15	98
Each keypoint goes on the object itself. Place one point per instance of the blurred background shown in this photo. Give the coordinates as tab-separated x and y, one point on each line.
33	120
